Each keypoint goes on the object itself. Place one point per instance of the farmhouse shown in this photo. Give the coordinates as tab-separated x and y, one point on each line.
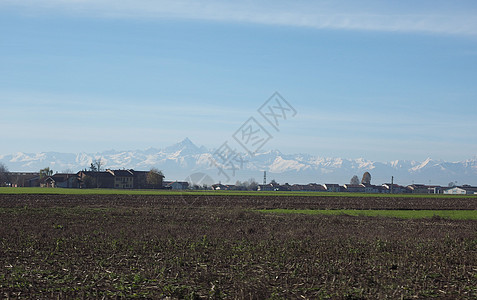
117	179
123	179
332	187
311	187
424	189
140	180
354	188
393	188
23	179
176	185
374	189
225	187
265	187
93	179
464	190
62	180
469	188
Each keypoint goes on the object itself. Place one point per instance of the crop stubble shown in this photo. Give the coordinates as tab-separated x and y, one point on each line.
217	247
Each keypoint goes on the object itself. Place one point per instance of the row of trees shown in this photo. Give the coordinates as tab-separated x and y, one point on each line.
366	179
249	185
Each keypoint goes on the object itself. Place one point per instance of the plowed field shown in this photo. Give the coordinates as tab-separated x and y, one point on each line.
91	246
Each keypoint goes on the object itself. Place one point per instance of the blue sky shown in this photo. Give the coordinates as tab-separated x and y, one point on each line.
381	80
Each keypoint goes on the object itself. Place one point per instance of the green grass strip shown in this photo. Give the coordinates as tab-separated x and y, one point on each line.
402	214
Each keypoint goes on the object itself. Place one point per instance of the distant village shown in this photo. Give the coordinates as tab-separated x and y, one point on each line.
154	179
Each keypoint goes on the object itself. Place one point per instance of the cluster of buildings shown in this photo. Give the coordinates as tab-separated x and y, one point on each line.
386	188
132	179
108	179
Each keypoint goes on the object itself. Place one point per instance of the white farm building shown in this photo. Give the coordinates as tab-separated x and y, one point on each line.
459	191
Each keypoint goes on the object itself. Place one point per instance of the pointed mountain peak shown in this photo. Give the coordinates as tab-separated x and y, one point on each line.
185	146
187	142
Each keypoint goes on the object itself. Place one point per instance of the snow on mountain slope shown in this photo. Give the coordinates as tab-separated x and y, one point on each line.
184	158
281	165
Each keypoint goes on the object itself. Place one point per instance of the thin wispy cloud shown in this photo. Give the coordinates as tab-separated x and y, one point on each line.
426	16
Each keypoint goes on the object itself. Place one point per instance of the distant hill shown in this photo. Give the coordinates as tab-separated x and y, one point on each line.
185	158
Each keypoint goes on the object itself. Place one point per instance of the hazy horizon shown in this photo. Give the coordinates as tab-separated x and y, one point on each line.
199	145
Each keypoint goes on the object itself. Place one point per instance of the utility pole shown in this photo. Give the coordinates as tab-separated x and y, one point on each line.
392	184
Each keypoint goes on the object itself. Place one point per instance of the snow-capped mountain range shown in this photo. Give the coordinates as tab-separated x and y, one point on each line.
183	159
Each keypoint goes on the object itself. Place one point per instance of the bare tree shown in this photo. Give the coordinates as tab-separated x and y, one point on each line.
366	178
354	180
4	178
95	167
97	163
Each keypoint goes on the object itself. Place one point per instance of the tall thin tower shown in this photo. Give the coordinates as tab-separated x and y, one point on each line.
392	184
264	177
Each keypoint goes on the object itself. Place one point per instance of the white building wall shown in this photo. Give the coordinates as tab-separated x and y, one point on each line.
457	191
